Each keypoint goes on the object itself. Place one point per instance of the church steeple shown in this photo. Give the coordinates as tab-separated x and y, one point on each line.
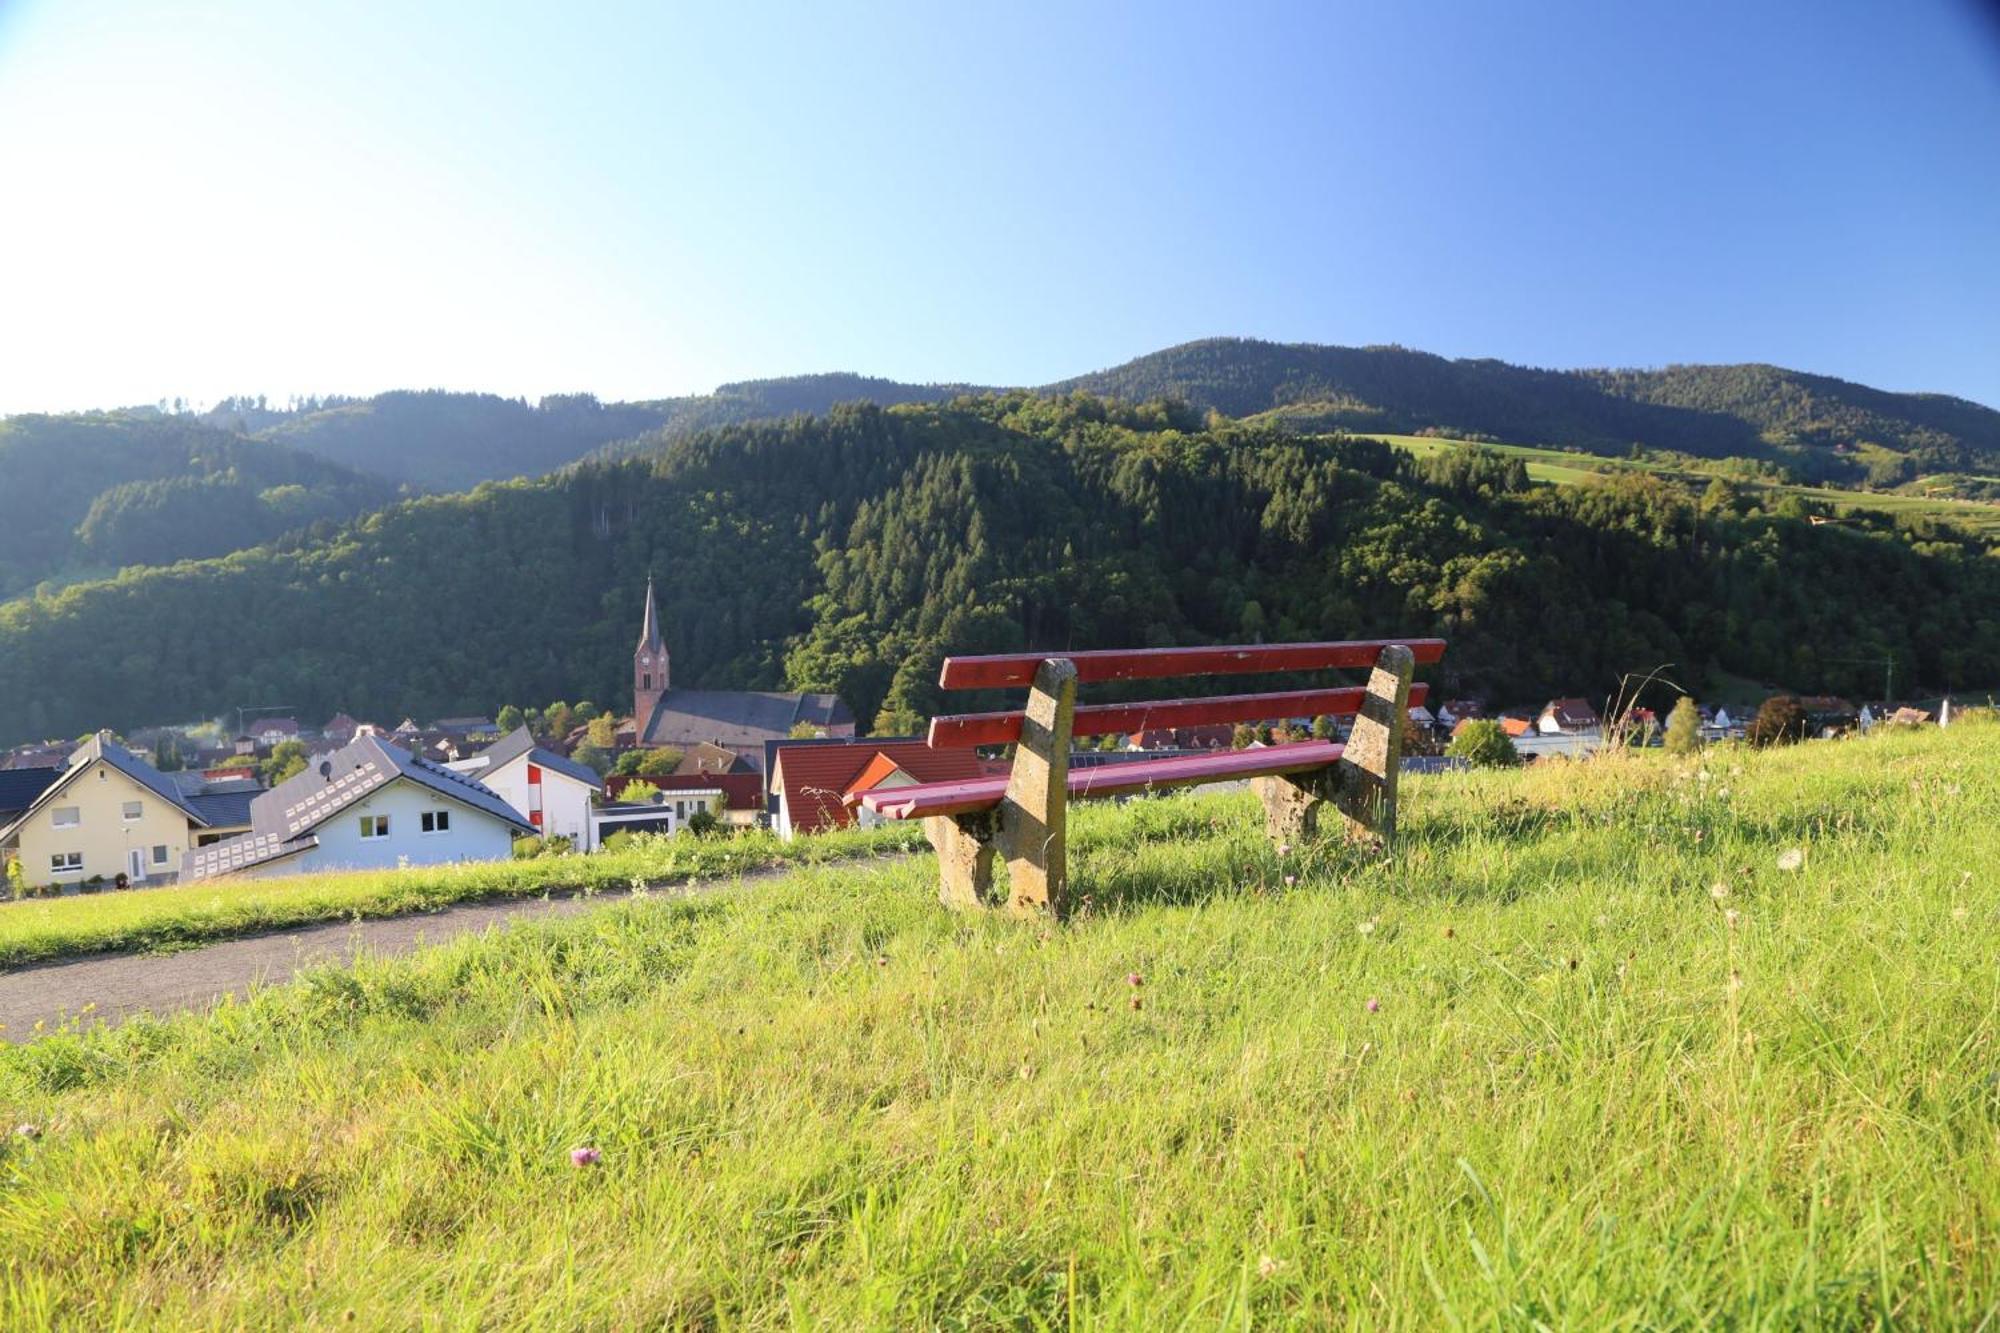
650	665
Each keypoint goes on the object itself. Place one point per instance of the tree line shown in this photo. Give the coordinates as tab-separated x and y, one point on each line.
850	552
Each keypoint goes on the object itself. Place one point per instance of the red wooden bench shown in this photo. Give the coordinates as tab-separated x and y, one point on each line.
1023	814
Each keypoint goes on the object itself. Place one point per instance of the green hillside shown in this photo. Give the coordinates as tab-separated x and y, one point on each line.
1584	1055
94	492
851	552
436	440
1822	428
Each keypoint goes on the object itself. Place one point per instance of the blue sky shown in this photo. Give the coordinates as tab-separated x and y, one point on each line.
646	199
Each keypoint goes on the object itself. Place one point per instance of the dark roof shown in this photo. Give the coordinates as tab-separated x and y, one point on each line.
226	809
521	741
101	746
649	628
20	786
733	718
1572	712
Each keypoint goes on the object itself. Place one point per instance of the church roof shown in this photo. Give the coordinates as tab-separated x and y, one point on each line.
649	631
738	718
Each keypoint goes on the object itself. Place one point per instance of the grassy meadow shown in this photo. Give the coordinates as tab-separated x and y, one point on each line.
1625	1044
36	929
1558	467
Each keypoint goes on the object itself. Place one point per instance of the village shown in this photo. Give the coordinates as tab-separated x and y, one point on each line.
175	805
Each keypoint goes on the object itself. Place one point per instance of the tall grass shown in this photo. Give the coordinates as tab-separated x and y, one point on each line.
1582	1056
141	919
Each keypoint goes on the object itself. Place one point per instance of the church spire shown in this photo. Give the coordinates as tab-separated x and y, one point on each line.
649	632
650	668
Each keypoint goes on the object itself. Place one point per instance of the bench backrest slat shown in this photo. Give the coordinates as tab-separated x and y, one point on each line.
968	729
1005	669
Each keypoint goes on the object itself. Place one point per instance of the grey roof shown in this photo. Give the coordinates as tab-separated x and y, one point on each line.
735	718
282	819
20	786
101	746
252	849
521	741
302	803
226	809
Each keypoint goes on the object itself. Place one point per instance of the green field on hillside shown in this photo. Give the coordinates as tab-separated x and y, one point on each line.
1561	467
1625	1044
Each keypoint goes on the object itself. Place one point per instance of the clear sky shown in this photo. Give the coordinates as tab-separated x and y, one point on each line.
644	199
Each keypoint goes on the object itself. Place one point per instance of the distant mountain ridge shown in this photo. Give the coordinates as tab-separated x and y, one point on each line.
1829	427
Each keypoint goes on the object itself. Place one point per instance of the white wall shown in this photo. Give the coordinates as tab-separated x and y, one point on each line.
474	835
565	801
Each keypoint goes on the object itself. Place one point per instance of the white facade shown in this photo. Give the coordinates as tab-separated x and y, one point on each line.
674	810
357	839
562	801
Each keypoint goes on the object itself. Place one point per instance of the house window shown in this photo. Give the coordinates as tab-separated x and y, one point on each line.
645	682
159	853
66	816
133	809
66	863
374	826
437	821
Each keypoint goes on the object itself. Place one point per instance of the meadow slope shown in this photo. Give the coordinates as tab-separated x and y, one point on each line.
1586	1054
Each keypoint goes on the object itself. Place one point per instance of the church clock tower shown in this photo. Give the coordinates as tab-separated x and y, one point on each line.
649	668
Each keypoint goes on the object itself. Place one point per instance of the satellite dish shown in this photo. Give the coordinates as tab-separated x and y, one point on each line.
326	771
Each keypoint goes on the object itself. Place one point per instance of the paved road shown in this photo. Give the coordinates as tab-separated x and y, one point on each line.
122	984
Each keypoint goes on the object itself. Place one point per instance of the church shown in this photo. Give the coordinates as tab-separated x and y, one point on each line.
738	720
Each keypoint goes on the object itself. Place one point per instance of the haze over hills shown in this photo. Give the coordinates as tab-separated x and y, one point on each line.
100	491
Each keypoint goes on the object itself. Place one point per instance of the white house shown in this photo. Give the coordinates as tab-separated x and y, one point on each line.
369	805
670	813
556	794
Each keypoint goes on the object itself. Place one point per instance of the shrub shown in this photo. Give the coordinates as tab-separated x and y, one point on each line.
528	848
640	793
1484	743
1781	720
621	841
702	823
17	878
1683	728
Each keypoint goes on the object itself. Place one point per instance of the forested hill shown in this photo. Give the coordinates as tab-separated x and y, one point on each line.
850	552
1824	427
434	440
104	490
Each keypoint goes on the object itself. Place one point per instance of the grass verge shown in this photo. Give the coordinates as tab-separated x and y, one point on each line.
38	929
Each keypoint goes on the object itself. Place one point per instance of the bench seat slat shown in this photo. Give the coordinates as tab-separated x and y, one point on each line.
1005	669
959	798
966	729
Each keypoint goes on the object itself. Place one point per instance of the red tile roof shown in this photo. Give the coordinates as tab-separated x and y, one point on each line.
812	780
740	791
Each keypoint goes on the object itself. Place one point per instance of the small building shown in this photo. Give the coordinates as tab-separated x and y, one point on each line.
370	805
742	793
818	787
556	794
467	728
107	814
269	731
1567	717
1829	715
340	729
669	814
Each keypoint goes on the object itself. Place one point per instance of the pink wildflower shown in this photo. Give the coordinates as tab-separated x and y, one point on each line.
1373	1004
584	1156
1134	979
